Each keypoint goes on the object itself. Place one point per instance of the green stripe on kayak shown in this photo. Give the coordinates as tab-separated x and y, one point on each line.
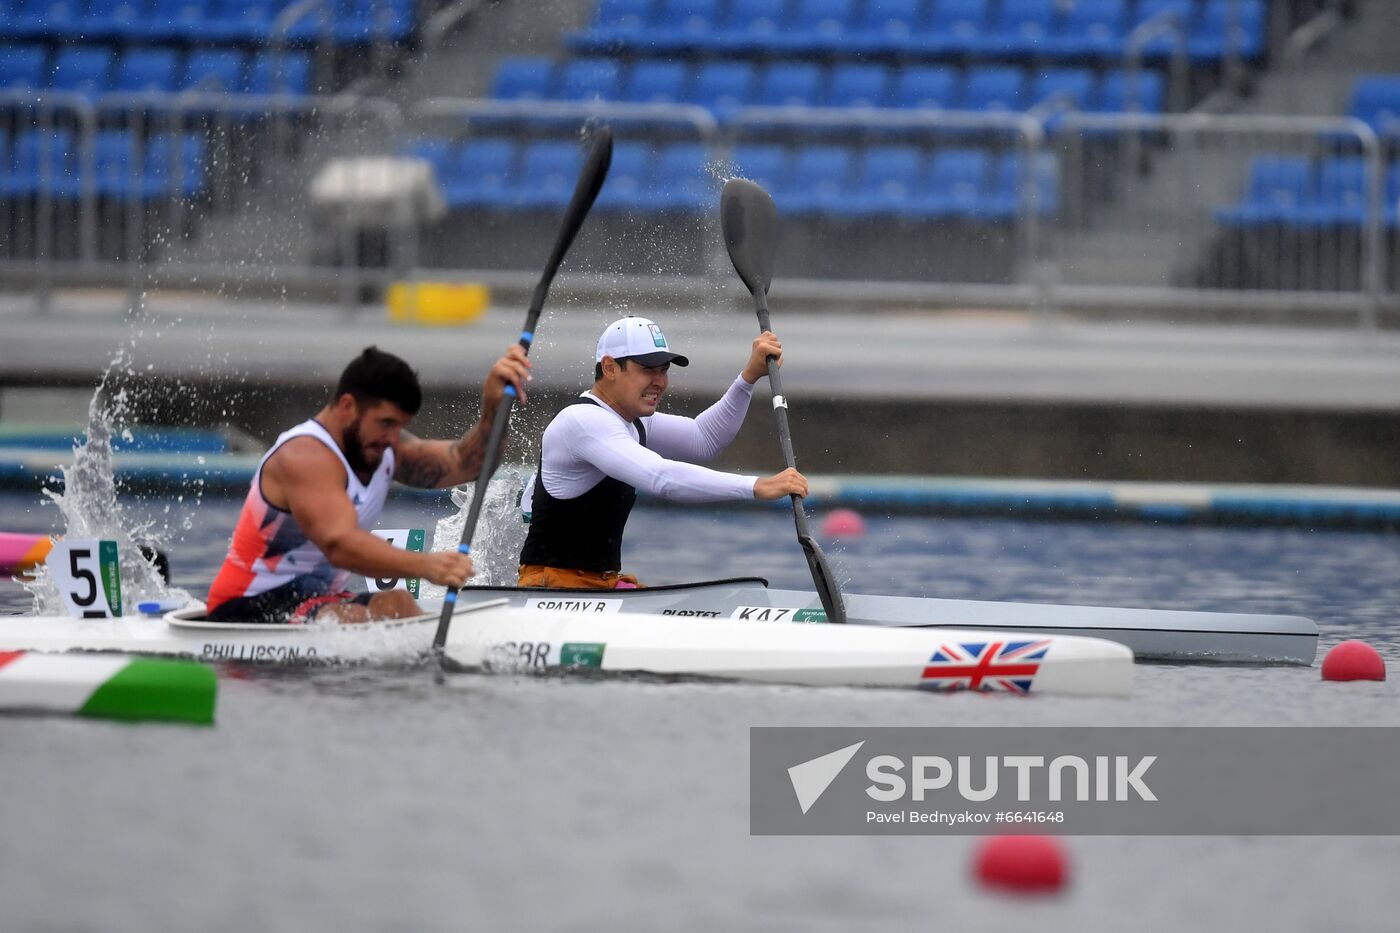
147	688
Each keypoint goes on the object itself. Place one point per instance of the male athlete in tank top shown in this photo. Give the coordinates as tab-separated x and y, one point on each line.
304	525
611	442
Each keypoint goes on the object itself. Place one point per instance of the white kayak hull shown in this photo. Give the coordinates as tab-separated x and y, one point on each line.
1152	634
541	641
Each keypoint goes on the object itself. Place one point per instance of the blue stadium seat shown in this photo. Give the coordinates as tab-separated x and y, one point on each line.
884	27
994	88
46	160
656	82
1118	94
816	27
748	26
243	21
172	21
1277	186
589	79
439	153
1094	29
118	170
523	79
1061	90
1180	12
789	84
480	174
547	175
928	87
616	25
214	71
954	186
291	75
1075	86
1229	27
683	181
1020	30
173	167
682	26
1013	185
723	87
358	22
111	20
1340	198
22	67
884	183
145	70
45	19
82	70
1375	100
629	177
954	28
815	181
858	85
763	164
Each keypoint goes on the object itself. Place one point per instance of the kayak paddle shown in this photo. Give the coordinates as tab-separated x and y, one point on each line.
750	223
590	181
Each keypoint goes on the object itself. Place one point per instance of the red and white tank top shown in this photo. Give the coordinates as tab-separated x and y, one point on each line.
269	549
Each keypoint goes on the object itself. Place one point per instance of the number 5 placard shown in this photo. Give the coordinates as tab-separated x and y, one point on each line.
88	575
411	539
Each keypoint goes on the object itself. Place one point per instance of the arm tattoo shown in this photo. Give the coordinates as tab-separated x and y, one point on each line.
422	468
432	464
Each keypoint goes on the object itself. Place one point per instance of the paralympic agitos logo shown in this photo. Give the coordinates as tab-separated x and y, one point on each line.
980	778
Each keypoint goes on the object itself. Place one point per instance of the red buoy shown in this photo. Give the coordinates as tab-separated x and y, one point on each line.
1024	864
1353	660
843	523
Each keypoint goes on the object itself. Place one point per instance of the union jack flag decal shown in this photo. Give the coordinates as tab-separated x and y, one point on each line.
985	666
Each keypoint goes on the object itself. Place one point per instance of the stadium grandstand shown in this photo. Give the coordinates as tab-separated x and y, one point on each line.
1204	154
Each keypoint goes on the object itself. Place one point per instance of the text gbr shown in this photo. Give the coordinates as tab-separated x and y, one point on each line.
1085	781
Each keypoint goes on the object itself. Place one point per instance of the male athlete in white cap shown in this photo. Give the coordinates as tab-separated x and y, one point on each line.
611	441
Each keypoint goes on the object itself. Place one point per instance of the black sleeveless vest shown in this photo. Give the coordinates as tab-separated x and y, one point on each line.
583	533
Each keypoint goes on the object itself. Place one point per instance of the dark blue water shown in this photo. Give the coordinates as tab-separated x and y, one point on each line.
363	799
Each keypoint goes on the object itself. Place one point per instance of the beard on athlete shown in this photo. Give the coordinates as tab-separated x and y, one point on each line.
363	459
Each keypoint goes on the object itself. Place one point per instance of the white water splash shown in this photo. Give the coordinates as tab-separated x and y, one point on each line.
90	508
499	532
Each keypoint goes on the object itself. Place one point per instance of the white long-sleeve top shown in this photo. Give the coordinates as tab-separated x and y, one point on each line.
585	443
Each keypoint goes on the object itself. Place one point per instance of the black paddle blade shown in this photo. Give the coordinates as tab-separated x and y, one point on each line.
590	182
749	219
827	589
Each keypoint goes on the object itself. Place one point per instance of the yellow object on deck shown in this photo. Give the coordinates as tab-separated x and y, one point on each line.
439	303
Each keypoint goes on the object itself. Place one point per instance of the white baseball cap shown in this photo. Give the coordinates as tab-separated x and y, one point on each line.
636	338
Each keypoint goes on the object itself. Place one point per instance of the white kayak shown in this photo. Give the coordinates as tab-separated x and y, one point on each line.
540	641
1152	634
490	635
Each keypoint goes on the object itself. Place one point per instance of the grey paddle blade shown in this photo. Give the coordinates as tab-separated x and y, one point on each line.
822	576
749	219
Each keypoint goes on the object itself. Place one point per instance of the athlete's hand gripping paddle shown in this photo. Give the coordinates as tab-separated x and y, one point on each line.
750	223
590	181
